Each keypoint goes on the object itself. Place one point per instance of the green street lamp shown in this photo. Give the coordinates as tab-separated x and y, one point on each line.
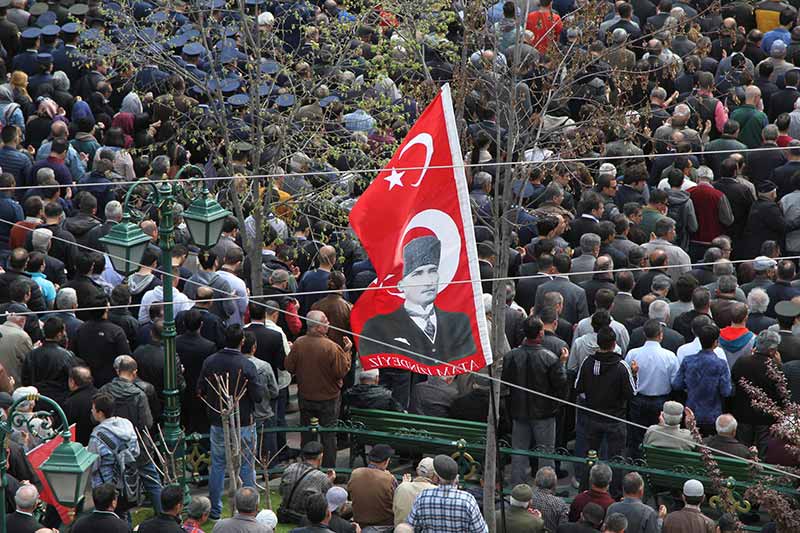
127	241
125	244
67	470
204	217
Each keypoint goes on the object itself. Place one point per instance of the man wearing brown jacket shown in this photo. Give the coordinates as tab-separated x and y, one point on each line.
371	489
319	365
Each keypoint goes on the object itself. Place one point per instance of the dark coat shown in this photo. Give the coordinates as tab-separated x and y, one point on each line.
778	292
672	339
78	408
161	524
22	523
36	303
625	307
124	319
370	397
212	328
593	285
105	522
526	290
453	339
532	366
150	358
193	350
578	227
782	101
758	322
740	198
765	223
761	163
789	347
782	177
270	346
754	368
231	363
575	304
90	294
47	367
99	342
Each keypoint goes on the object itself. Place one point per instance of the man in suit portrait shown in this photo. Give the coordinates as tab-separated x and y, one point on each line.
418	325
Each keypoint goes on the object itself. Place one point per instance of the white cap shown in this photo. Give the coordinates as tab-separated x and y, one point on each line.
693	489
268	518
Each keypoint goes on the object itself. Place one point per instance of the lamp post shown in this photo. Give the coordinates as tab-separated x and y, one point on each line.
125	244
68	468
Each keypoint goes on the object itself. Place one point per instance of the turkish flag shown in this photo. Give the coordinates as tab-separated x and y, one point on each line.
424	312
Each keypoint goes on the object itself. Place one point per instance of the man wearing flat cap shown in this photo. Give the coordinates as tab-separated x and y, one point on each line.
518	516
372	490
301	480
418	325
765	223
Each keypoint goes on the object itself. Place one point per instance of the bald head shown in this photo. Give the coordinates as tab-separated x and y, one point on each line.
150	228
658	257
317	322
752	94
205	294
327	256
59	129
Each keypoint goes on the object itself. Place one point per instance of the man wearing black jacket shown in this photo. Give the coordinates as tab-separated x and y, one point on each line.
17	262
78	405
85	287
230	365
532	366
193	350
47	367
605	383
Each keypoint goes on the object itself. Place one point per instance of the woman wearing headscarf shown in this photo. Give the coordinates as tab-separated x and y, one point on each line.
39	124
123	162
61	93
131	104
125	122
10	111
81	109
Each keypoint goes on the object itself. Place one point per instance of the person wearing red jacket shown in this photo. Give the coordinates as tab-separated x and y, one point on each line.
713	213
545	25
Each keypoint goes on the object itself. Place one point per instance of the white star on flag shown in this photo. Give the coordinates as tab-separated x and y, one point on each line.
394	178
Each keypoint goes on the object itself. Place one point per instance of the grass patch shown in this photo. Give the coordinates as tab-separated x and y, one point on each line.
142	514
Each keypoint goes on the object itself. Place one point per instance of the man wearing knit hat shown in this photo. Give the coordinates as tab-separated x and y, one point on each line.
518	516
408	490
446	509
418	325
690	518
668	432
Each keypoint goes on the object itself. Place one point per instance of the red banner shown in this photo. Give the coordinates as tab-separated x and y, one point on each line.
415	223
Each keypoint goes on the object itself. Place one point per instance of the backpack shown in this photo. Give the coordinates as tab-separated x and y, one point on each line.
126	472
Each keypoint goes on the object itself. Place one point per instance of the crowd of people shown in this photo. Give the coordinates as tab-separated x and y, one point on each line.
652	273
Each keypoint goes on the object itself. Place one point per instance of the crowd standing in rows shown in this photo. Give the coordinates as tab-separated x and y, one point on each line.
649	271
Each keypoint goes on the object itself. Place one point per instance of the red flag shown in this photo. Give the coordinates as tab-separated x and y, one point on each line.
416	226
37	456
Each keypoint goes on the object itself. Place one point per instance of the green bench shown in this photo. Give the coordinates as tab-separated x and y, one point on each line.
405	431
691	465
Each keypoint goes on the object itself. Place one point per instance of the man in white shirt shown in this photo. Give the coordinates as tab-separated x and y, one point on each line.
232	264
180	302
657	368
